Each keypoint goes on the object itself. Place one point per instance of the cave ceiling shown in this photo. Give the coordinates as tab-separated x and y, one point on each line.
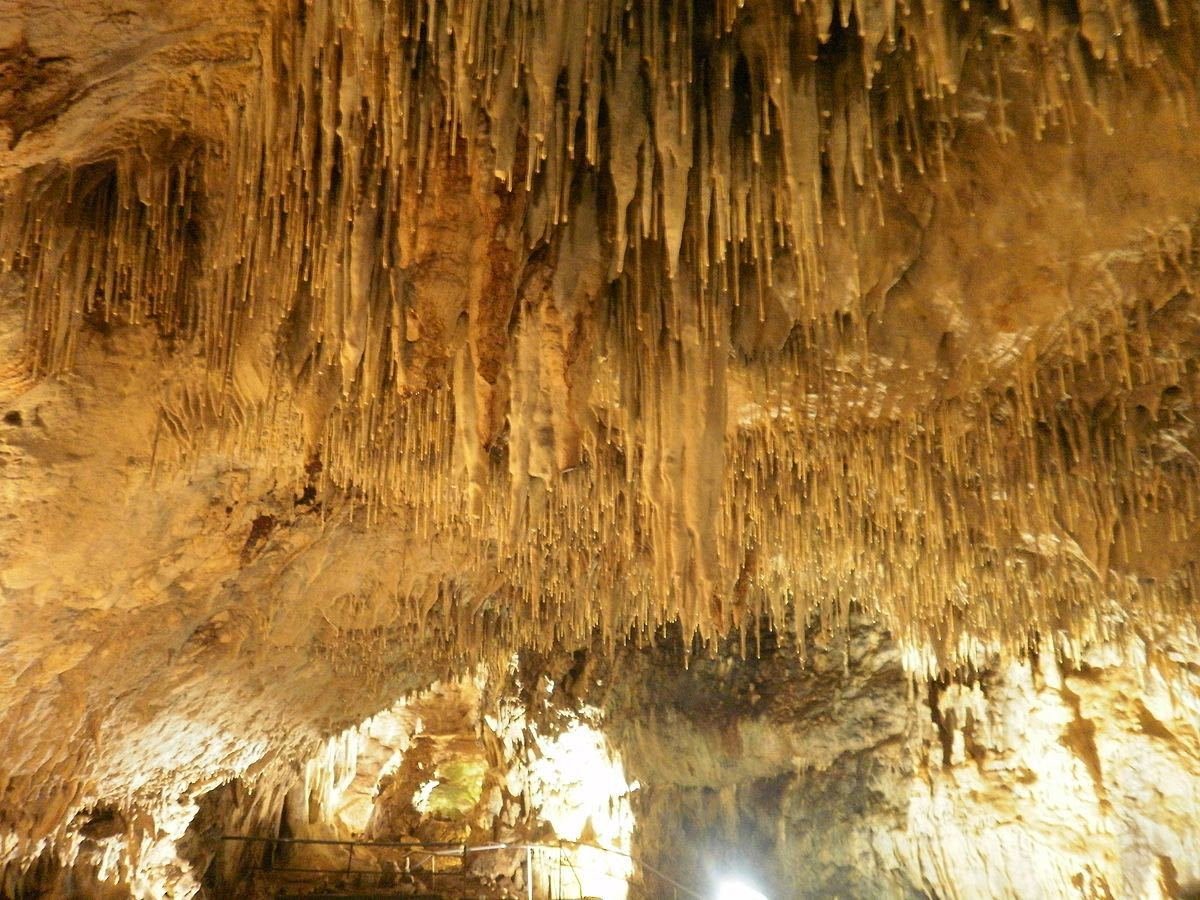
344	343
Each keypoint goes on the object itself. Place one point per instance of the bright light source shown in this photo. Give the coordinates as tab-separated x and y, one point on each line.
737	890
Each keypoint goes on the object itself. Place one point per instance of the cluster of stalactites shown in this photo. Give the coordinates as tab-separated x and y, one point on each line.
725	127
1063	503
660	167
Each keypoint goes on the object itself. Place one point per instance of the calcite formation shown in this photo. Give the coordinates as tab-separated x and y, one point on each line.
346	345
840	777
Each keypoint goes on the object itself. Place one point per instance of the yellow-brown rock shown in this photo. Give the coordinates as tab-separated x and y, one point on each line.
350	345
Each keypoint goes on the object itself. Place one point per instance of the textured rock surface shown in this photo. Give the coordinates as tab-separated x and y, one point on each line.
348	345
846	778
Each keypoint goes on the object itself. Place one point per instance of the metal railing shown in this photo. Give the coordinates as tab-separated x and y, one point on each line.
429	852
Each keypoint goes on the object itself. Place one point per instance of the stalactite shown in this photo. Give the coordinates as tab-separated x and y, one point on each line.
662	185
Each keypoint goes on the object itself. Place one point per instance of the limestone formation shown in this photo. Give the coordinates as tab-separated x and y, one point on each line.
354	347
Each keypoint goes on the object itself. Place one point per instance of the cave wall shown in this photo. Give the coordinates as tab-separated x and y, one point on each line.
848	777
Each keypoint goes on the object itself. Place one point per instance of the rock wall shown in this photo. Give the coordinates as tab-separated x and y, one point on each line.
849	778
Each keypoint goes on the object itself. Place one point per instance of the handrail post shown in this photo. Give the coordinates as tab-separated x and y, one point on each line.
350	860
529	872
